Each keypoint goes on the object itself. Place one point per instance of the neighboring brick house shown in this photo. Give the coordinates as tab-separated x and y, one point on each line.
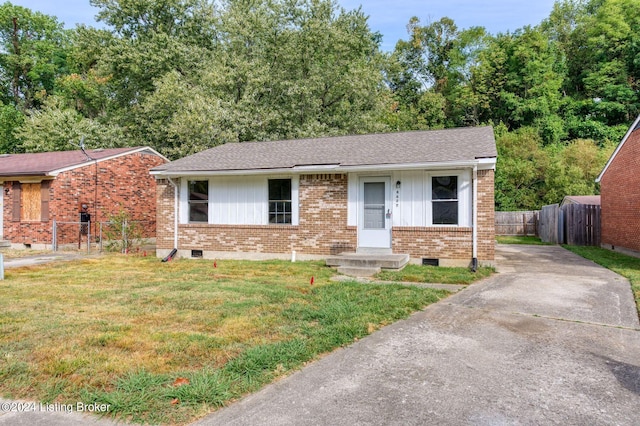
409	193
620	195
36	189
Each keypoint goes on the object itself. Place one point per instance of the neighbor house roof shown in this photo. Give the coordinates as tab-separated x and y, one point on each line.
581	199
52	163
450	146
634	127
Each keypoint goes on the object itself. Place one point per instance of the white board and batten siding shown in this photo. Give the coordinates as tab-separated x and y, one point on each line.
238	200
243	200
412	201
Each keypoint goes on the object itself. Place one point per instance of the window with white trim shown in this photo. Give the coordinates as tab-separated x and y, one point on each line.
199	201
444	200
280	201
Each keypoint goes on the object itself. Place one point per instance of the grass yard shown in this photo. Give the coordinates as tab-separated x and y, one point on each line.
627	266
167	343
517	239
435	274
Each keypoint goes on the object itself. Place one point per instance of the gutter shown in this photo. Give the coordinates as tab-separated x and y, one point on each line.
484	163
176	194
474	259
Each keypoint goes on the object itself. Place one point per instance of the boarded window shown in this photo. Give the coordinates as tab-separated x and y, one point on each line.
31	202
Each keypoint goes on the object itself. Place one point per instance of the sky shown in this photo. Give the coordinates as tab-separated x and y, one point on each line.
389	17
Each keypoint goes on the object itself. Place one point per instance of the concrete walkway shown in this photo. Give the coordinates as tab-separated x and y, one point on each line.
40	259
551	339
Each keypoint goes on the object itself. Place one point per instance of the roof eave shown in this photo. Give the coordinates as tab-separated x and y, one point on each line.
624	139
56	172
13	177
481	164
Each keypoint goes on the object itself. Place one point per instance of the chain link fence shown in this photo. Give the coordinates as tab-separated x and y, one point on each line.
114	236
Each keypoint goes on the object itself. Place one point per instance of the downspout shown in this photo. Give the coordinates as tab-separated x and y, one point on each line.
474	229
176	212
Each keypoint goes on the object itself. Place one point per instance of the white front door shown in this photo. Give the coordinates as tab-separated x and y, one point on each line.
374	211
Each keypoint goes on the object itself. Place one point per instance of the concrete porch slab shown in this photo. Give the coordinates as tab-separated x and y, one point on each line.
360	260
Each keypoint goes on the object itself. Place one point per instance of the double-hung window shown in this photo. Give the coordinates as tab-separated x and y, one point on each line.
444	200
280	201
198	201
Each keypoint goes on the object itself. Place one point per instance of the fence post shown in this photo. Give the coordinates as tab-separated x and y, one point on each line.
53	236
88	237
100	243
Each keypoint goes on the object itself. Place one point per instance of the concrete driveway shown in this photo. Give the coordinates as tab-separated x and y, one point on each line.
551	339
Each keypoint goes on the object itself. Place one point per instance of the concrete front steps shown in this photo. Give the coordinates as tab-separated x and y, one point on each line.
366	264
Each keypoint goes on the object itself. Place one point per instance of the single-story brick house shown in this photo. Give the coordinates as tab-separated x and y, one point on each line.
38	188
620	195
429	194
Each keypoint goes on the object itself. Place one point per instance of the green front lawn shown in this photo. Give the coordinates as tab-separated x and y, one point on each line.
171	342
627	266
435	274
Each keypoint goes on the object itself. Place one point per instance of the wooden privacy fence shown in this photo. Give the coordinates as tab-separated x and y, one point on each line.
581	224
517	223
549	224
573	224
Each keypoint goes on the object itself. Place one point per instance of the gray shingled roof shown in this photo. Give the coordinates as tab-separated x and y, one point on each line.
437	146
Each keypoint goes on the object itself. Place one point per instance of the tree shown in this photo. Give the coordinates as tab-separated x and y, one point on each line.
437	58
10	120
280	70
520	169
518	82
600	40
32	56
53	127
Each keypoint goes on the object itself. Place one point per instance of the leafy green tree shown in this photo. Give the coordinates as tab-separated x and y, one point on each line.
530	174
10	120
428	112
280	70
55	127
149	38
520	171
437	58
32	55
518	82
599	39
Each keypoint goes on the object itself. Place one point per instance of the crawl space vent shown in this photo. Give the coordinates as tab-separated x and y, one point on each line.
430	262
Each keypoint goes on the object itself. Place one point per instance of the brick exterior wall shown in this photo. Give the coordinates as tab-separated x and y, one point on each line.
620	198
323	229
322	226
122	182
486	216
454	243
